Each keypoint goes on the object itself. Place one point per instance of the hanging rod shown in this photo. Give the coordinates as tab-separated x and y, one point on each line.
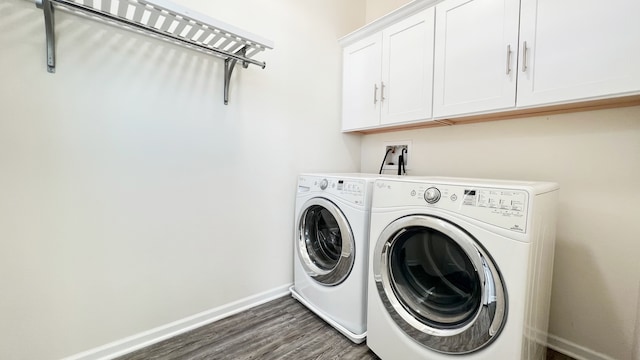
168	21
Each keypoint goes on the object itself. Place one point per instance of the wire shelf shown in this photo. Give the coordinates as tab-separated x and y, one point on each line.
169	21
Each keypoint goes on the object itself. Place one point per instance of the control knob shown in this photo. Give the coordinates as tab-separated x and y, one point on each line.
323	184
432	195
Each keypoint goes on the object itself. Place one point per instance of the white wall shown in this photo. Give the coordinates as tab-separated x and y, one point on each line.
130	196
595	156
379	8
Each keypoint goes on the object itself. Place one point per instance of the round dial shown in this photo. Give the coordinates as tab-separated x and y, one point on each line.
432	195
323	184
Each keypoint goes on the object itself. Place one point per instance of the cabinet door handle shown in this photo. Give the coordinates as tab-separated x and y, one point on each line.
381	91
375	94
524	56
508	59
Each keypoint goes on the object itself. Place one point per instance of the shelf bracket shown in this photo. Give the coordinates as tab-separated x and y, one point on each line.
229	64
49	21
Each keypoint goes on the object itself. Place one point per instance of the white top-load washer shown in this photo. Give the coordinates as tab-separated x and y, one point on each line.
460	268
331	248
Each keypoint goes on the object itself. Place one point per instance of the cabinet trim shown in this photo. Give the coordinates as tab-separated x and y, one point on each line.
381	23
601	104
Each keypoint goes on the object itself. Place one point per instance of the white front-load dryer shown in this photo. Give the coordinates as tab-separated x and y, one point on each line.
460	268
331	249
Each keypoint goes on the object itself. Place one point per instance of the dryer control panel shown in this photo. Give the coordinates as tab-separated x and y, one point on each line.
351	190
502	207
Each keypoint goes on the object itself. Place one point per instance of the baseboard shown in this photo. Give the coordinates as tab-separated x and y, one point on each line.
576	351
146	338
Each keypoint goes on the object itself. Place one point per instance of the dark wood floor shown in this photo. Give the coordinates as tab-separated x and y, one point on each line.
280	329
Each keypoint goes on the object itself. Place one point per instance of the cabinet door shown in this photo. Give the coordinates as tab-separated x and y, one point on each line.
578	49
361	84
407	69
475	52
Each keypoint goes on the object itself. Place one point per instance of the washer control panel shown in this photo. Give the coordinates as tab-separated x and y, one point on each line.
352	190
502	207
432	195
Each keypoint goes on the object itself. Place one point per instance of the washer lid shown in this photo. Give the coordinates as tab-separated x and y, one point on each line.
325	242
439	285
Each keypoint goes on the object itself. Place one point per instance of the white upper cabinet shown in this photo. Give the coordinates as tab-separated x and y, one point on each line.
435	60
387	76
578	50
407	69
475	56
361	83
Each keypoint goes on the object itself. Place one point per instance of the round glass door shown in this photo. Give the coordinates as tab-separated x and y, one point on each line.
325	242
439	285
